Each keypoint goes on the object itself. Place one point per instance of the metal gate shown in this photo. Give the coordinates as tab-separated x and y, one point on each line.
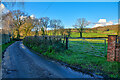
90	46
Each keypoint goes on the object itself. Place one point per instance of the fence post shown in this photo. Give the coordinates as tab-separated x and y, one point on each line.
119	39
66	42
105	47
64	39
111	52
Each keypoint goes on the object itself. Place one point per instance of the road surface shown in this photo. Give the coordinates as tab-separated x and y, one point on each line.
20	62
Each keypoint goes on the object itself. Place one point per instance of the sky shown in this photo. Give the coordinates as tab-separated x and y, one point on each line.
61	0
68	12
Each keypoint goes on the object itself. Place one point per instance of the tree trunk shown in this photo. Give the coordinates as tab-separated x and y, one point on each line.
81	34
25	34
18	35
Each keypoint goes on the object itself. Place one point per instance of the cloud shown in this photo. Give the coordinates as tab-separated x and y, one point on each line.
32	16
3	9
103	22
119	21
109	23
23	17
2	6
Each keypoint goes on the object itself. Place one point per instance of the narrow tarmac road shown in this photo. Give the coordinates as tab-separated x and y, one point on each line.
20	62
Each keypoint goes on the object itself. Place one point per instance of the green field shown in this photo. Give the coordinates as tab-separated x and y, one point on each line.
85	47
102	34
91	34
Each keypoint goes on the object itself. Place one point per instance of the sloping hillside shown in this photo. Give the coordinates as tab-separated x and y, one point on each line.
107	28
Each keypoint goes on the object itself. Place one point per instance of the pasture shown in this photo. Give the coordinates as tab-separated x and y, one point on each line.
74	33
97	47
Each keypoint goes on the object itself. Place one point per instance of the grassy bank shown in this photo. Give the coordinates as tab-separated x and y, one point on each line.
3	47
75	56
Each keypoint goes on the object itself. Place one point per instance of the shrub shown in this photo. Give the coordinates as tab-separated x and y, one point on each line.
45	45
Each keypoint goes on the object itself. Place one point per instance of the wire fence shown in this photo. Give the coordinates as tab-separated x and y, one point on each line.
90	46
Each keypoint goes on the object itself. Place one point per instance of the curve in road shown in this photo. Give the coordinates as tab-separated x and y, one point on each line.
20	62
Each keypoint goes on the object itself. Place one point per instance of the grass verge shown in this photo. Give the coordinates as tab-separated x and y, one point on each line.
3	48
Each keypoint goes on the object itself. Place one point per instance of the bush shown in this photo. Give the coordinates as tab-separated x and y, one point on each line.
45	45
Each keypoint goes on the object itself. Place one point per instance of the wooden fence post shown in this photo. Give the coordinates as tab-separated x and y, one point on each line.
119	39
64	39
66	42
105	46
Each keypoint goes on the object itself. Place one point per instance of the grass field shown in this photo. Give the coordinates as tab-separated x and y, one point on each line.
92	34
85	47
103	34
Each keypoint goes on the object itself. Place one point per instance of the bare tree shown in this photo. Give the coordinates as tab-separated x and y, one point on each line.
36	25
7	21
43	30
62	30
55	24
44	21
81	24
